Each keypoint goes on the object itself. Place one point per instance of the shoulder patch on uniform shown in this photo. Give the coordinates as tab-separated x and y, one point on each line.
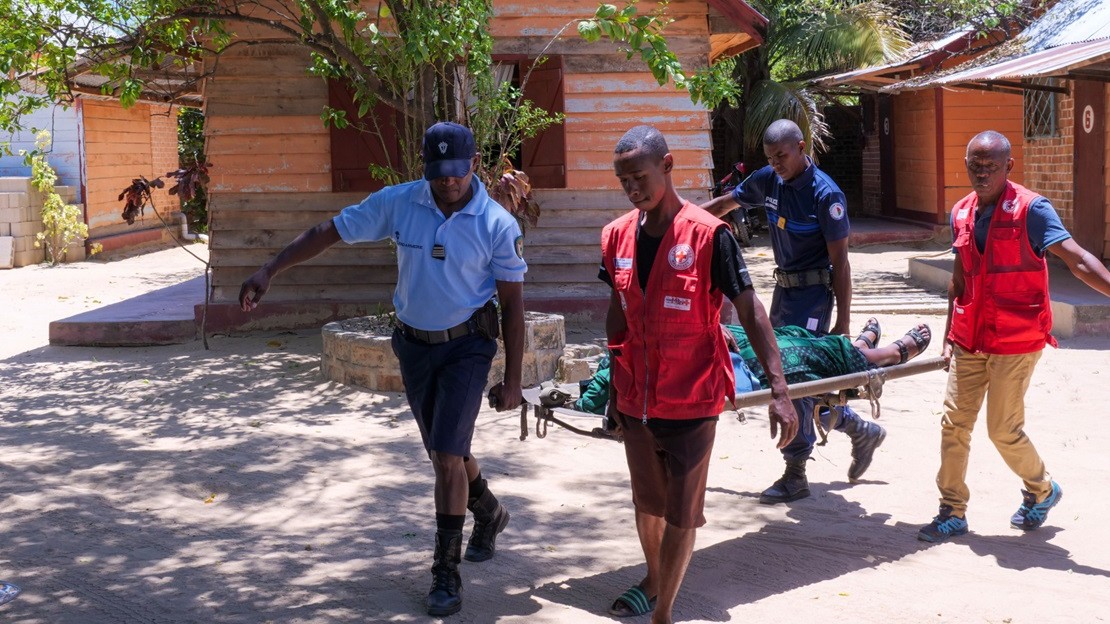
836	211
518	244
681	257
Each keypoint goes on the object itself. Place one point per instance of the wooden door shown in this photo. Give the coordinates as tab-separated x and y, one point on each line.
1089	166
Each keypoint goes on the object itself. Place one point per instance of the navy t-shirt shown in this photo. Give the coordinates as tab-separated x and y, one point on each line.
1041	222
804	215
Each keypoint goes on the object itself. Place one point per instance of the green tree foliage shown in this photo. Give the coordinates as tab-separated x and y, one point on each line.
427	59
190	156
929	19
61	222
803	40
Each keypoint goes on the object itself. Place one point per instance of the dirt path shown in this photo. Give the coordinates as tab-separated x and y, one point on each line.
173	484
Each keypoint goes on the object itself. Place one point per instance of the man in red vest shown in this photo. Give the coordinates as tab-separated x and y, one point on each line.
670	265
999	319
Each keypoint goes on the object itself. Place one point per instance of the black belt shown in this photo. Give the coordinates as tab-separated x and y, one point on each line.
798	279
438	336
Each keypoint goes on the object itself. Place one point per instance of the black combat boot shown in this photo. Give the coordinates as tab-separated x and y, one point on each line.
866	437
792	486
490	519
445	596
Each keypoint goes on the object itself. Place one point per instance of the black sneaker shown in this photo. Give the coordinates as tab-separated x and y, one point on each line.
1031	515
943	526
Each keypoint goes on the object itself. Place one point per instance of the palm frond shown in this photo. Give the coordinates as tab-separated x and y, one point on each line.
772	100
860	35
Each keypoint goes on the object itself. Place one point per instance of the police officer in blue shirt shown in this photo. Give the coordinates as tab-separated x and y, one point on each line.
809	229
456	249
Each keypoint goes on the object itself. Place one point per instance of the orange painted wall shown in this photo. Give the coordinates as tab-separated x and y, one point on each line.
120	145
262	123
967	113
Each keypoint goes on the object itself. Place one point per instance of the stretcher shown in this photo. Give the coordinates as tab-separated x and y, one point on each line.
831	392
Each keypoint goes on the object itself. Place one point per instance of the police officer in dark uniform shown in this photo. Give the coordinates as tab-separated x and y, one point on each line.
808	223
456	249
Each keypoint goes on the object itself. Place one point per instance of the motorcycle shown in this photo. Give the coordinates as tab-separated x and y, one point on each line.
743	221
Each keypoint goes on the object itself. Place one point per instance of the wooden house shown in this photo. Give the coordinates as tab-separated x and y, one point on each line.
98	147
1047	89
277	170
915	139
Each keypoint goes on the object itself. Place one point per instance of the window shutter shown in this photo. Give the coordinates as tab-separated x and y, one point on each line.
353	151
544	156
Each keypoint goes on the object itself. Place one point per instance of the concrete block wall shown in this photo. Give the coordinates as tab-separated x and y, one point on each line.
21	219
358	351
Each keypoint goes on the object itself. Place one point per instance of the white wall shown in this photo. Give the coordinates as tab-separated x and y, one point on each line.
63	156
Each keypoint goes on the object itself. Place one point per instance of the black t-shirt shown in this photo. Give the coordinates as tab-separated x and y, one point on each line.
728	273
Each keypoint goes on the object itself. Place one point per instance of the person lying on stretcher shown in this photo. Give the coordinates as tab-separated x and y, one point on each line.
805	357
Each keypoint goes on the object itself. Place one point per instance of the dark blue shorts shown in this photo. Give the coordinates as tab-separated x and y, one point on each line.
445	385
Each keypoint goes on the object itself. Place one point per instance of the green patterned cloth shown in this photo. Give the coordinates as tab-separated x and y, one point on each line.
805	356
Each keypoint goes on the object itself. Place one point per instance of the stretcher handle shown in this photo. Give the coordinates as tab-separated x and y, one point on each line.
842	382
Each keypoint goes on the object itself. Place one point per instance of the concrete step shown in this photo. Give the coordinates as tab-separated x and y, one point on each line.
163	316
1077	310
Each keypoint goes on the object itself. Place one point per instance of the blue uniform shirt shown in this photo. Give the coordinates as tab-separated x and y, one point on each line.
1041	222
482	244
803	215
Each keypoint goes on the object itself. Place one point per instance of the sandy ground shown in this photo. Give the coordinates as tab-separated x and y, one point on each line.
174	484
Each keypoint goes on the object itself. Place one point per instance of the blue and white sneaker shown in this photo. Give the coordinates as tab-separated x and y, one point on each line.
1031	515
943	526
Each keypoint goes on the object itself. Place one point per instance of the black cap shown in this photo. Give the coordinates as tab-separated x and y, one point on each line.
448	150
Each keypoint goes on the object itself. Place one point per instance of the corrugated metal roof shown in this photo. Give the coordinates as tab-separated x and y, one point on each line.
1072	34
1052	62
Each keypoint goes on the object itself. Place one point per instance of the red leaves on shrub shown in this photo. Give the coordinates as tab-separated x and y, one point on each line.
189	180
136	197
513	191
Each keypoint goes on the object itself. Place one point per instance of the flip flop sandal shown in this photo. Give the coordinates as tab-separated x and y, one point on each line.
871	326
632	602
920	341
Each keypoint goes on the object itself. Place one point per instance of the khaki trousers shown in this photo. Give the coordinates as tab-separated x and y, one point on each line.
1003	379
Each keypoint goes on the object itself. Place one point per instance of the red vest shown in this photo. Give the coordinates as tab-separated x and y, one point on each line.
1005	308
673	362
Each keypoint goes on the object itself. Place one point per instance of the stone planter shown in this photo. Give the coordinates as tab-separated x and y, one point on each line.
357	351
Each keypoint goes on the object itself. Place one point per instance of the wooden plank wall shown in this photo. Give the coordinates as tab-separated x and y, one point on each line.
120	145
605	95
271	158
968	112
